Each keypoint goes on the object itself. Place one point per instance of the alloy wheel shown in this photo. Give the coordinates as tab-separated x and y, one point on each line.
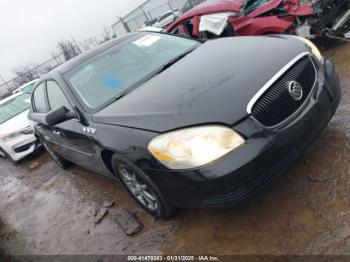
140	190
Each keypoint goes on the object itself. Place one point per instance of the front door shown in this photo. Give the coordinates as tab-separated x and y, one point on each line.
69	139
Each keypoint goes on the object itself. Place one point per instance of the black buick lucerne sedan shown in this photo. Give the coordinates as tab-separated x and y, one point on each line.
183	123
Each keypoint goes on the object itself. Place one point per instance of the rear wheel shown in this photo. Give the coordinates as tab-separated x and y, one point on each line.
60	161
142	189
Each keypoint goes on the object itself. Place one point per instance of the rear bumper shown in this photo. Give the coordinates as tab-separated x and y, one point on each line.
20	147
267	154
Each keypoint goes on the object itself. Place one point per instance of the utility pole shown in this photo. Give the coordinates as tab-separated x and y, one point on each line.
126	27
144	13
170	7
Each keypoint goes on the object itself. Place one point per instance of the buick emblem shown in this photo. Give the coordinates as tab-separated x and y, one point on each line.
295	90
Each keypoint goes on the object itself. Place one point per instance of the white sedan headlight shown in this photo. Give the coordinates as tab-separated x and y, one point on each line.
313	48
194	147
26	131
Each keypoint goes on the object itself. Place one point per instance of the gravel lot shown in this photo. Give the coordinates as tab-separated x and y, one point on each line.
45	210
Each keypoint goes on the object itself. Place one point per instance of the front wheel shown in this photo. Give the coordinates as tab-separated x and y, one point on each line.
142	189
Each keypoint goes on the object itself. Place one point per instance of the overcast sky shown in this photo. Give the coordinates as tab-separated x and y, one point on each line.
30	29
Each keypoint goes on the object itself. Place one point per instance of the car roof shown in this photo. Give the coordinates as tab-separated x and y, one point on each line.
72	63
150	29
167	12
6	99
26	84
31	82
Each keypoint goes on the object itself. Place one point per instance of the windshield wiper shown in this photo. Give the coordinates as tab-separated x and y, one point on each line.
157	71
174	60
117	97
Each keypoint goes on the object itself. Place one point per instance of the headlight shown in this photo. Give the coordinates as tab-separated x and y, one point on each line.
313	48
194	147
26	131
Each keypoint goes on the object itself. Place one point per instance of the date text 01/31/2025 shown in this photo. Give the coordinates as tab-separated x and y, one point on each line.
173	258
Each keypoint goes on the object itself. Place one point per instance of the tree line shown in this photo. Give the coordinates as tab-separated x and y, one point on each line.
65	50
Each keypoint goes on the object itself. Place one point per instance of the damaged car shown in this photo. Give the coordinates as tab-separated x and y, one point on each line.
224	18
183	123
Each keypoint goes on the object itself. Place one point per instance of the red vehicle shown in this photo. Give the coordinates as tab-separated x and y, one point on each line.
221	18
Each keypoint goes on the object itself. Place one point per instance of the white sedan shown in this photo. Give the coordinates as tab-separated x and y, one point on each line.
150	29
17	138
26	88
167	18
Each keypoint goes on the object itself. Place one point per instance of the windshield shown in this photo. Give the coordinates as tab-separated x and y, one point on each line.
117	69
28	88
14	107
164	16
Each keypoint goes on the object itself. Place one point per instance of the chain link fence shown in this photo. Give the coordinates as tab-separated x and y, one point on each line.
148	13
35	72
28	72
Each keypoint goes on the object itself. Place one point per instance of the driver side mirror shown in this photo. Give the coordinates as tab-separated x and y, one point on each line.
59	115
55	117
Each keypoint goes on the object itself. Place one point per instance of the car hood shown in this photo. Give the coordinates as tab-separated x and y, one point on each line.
15	124
213	84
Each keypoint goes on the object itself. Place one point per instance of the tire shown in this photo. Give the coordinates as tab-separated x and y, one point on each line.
144	188
60	161
3	154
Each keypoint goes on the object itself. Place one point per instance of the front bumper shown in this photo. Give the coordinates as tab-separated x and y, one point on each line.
19	147
268	152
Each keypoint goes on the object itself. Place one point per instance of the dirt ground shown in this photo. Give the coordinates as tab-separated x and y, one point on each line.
45	210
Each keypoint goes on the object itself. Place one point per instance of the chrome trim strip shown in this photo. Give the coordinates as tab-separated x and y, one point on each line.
273	80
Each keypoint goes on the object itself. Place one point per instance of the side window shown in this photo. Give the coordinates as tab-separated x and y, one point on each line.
175	31
184	29
189	26
39	101
28	89
56	96
165	16
180	30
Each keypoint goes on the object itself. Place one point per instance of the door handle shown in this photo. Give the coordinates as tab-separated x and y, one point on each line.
57	133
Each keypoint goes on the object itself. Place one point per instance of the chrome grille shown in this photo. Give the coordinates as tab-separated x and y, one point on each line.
276	104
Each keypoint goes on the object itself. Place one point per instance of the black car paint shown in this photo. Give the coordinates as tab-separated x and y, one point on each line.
188	92
211	85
